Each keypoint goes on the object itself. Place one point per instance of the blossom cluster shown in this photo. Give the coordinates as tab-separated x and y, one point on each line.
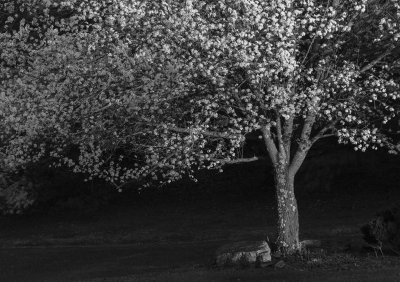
126	89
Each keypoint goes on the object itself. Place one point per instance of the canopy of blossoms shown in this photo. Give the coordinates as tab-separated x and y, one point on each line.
128	89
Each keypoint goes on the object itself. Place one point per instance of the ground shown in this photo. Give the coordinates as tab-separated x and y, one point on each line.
175	240
178	244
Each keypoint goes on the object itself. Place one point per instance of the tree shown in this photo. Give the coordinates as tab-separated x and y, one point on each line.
296	71
189	81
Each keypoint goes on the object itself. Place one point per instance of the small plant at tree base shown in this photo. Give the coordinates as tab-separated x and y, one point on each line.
154	90
383	231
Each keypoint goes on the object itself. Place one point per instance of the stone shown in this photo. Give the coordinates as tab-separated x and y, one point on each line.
243	253
265	264
310	244
280	264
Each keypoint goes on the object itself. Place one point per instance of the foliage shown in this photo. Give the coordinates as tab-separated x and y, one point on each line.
108	76
16	195
384	230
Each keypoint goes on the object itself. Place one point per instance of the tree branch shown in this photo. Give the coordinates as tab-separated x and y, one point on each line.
288	128
287	134
321	133
269	144
304	144
327	135
279	129
307	127
298	160
377	60
208	133
101	109
238	161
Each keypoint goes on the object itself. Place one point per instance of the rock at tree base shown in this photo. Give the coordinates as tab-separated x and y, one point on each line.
243	253
280	264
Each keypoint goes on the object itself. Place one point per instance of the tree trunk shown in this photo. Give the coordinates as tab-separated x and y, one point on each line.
285	168
288	216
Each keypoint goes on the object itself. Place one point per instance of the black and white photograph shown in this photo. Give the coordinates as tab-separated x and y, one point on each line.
199	140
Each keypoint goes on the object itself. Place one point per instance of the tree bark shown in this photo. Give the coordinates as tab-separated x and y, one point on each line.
285	170
288	216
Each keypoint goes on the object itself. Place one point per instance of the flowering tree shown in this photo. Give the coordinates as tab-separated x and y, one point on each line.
158	89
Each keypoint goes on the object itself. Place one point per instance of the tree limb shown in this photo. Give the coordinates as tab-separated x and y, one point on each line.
238	161
321	133
269	144
208	133
377	60
279	129
297	161
307	127
288	128
304	144
327	135
287	134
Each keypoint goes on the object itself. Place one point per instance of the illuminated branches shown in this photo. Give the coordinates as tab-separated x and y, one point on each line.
175	86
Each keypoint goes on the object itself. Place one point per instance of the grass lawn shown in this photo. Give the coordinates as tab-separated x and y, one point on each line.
177	243
175	240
